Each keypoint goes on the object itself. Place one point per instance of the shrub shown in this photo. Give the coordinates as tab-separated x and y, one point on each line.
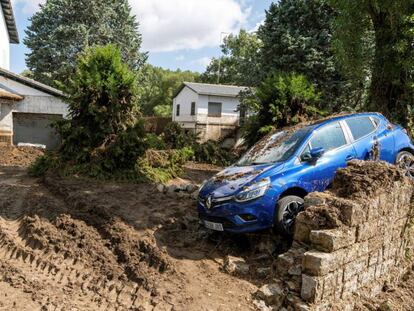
176	137
155	142
211	152
162	165
280	100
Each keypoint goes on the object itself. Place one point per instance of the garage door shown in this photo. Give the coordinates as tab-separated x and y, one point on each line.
35	128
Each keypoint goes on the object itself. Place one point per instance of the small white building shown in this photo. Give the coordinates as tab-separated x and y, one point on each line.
210	110
27	107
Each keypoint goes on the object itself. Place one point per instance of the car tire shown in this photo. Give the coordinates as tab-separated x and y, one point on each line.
405	161
287	209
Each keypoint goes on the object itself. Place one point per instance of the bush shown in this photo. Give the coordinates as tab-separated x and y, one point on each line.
280	100
176	137
162	165
211	152
155	142
102	102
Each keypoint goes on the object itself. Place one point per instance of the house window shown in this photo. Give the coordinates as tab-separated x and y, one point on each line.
193	108
177	112
214	109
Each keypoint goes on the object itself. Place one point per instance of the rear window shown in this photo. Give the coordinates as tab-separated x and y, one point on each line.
360	126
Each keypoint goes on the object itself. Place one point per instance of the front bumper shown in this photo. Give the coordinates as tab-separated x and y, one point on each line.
238	217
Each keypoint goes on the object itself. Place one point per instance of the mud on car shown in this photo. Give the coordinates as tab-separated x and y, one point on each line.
266	187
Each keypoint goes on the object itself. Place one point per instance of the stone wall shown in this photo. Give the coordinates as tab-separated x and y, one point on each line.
351	240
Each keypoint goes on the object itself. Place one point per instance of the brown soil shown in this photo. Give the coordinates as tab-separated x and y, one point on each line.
73	244
18	156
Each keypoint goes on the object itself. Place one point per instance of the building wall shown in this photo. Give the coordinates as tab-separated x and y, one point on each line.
184	99
35	102
207	127
228	114
4	44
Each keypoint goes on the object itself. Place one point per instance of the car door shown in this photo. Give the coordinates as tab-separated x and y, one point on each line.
338	151
367	131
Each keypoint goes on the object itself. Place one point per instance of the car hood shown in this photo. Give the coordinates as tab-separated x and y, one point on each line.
229	181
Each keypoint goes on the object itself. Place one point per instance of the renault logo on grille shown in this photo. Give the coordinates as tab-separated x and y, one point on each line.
208	202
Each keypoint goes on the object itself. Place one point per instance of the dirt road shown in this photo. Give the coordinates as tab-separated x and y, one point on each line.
72	244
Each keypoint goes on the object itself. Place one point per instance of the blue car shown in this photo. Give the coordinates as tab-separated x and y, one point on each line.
266	187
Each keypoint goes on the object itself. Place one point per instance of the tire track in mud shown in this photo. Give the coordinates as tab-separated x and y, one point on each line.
62	281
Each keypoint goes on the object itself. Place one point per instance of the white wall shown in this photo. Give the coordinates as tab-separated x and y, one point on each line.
4	43
228	114
34	101
184	99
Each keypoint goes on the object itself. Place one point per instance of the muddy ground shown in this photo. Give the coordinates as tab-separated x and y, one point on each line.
72	244
75	244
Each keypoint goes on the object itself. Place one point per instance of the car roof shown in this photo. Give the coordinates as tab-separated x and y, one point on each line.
340	117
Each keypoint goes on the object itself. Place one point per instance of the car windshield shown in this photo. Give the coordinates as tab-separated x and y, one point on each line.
276	148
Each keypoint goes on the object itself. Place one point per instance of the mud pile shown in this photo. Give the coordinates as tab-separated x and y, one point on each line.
19	156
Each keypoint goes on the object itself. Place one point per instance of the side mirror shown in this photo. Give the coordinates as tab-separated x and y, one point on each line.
317	153
313	155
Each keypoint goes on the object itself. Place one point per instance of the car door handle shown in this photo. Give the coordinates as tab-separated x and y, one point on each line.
349	157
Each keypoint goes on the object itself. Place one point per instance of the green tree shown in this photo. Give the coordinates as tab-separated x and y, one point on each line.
239	64
64	28
158	86
103	108
280	100
374	42
297	37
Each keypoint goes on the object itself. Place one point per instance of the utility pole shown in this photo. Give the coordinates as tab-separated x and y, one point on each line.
219	66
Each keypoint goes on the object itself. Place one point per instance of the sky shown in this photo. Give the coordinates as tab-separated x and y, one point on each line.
183	34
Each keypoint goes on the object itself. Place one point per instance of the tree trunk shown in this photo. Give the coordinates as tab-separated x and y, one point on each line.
386	85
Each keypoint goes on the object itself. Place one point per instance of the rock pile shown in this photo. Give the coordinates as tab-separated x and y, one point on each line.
183	190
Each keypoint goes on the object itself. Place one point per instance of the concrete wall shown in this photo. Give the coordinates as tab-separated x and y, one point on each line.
35	128
4	44
351	241
34	102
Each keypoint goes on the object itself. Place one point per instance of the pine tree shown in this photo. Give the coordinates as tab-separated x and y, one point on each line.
297	37
64	28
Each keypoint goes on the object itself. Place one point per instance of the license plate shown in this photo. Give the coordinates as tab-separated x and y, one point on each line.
213	225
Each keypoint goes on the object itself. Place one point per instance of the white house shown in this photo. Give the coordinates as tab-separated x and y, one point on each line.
27	107
210	110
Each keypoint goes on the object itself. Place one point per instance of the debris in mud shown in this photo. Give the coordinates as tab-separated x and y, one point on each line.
19	156
236	265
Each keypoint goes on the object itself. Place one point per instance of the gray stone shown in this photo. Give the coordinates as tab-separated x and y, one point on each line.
194	195
272	294
295	270
235	265
160	188
261	305
172	189
264	272
190	188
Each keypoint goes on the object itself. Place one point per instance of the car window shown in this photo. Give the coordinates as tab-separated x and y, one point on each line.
360	126
328	137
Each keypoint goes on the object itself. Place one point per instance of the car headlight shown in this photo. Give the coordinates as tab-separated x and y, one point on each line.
254	191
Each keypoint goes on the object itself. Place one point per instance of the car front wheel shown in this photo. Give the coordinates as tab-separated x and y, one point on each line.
287	209
405	161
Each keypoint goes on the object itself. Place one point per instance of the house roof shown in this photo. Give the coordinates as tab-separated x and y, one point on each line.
10	21
31	83
4	94
213	89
